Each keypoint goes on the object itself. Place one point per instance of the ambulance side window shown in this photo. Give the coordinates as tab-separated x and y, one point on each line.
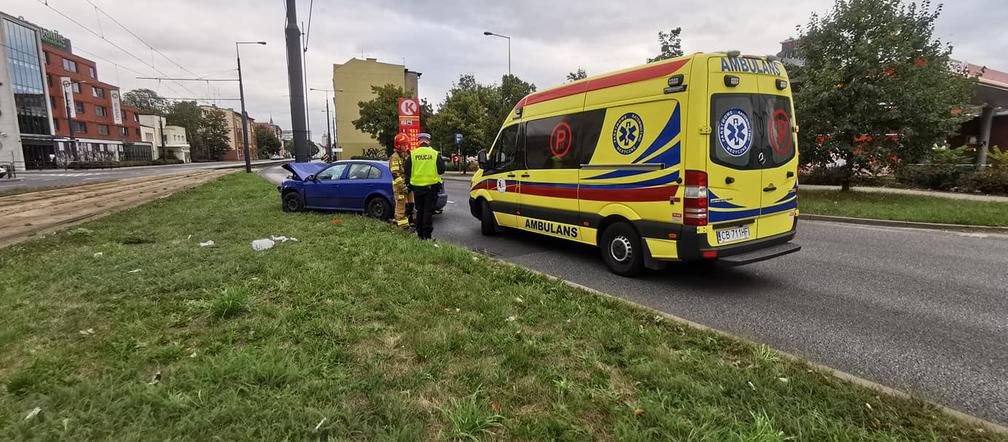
505	154
562	142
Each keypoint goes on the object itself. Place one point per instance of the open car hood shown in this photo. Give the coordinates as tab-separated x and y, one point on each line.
302	170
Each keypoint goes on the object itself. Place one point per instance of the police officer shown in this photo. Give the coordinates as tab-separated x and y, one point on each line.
423	168
400	190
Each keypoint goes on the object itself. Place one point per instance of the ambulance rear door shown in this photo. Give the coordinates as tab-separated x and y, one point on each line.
734	175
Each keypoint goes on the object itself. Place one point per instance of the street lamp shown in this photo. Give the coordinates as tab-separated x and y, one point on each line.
491	34
329	142
241	96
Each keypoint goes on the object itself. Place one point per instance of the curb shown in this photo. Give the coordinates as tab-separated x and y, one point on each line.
466	178
966	419
905	224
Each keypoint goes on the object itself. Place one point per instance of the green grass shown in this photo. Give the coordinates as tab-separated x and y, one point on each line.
903	207
357	331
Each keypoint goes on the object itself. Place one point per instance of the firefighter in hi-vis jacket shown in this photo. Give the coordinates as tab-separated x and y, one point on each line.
403	197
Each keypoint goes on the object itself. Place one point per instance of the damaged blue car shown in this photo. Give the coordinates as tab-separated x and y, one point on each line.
352	186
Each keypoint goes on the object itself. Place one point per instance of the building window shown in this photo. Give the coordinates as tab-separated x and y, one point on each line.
91	71
100	111
52	101
124	131
45	57
76	87
78	126
26	82
55	124
103	129
49	79
98	92
136	117
79	106
138	132
70	65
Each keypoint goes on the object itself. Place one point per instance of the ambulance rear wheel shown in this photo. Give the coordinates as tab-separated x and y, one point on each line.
488	224
621	250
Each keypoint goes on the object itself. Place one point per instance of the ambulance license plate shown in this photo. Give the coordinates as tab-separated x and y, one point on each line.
734	234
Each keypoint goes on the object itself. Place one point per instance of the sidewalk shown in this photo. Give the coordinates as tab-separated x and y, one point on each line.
194	165
934	193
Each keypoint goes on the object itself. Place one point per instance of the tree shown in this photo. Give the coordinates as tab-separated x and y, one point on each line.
267	142
671	45
577	75
379	116
146	101
214	134
876	88
476	111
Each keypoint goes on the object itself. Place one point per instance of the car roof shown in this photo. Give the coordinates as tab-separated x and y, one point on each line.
371	162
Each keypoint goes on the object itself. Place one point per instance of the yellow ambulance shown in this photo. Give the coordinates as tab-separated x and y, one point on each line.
688	159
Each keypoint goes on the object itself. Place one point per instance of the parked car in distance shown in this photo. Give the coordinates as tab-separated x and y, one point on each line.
350	185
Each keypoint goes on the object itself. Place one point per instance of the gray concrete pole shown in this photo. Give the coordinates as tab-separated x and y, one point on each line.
295	82
986	120
245	134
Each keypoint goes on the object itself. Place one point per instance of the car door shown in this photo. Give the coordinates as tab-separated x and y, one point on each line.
734	175
780	166
323	192
361	180
549	183
507	161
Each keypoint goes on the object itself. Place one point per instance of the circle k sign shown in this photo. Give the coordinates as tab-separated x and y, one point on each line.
408	107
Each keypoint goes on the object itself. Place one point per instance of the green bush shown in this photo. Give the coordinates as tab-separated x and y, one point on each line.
933	176
993	180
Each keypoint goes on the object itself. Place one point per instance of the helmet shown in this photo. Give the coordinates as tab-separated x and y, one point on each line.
401	141
423	136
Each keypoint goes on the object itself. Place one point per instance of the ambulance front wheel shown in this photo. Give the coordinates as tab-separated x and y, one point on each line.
621	250
488	223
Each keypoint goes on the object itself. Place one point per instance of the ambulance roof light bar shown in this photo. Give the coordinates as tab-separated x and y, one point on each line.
733	53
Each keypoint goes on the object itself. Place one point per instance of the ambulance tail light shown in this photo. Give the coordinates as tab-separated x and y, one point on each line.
695	198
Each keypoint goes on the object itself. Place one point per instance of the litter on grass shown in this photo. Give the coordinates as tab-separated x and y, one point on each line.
263	244
35	411
282	238
135	271
87	332
208	243
98	254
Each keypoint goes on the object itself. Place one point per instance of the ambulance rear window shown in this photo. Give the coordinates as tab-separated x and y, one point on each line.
751	131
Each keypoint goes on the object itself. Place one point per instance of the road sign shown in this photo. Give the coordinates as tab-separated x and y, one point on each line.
458	138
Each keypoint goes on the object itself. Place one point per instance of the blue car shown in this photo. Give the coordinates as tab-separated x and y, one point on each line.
351	186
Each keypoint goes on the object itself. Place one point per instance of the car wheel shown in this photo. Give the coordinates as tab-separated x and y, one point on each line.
292	202
488	224
378	207
621	250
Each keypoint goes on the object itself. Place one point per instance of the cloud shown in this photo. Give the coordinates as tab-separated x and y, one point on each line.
440	39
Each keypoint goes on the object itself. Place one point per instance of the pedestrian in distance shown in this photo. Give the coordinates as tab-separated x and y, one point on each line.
424	167
400	188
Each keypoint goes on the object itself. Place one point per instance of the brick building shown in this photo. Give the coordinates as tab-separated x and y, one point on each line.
102	128
236	150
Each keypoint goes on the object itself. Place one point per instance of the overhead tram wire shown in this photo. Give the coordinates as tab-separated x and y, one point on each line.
97	8
96	34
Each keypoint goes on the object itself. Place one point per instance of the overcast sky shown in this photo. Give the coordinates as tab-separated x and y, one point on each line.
440	39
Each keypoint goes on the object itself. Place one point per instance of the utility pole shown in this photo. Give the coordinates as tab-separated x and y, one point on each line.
244	115
296	84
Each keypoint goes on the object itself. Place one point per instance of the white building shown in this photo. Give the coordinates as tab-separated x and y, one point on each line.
174	143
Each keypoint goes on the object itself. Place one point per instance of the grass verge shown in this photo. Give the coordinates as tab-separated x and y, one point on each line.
356	331
903	207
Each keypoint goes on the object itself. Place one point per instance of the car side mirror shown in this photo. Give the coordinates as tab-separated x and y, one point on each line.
481	158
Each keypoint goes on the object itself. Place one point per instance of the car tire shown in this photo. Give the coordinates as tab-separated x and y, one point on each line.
292	202
621	250
488	224
378	207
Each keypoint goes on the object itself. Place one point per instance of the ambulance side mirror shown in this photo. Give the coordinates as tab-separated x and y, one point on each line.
481	158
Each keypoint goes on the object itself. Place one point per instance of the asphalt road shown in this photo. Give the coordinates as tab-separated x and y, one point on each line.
37	179
925	312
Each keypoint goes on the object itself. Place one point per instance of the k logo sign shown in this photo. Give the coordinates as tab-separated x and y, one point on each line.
408	107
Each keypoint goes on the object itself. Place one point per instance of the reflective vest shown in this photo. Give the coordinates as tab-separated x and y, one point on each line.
423	166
